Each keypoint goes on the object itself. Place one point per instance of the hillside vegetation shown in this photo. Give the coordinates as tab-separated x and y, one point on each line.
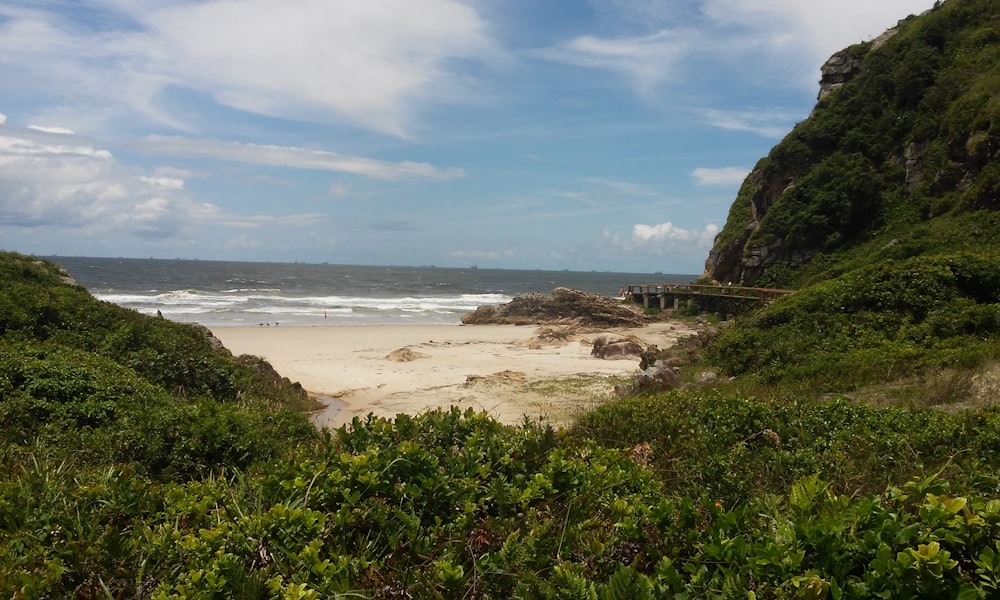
902	160
92	383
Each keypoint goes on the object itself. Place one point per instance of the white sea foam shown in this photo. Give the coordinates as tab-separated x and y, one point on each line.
242	293
251	306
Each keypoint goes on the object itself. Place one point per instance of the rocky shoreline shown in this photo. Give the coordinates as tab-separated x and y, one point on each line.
563	306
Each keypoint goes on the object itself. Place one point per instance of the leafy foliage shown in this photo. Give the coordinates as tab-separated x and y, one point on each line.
732	448
103	385
451	504
872	324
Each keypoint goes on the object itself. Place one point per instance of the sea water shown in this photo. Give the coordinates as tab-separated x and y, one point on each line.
217	293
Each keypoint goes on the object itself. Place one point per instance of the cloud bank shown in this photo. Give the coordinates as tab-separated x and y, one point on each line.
62	181
668	232
369	64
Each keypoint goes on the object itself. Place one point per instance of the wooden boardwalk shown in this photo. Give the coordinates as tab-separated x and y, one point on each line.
713	297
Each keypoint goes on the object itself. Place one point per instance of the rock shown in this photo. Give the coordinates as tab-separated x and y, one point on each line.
613	348
404	355
914	165
658	377
649	357
271	375
838	70
707	377
563	307
213	341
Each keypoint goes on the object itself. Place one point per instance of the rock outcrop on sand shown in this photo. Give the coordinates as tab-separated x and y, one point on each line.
404	355
564	306
609	347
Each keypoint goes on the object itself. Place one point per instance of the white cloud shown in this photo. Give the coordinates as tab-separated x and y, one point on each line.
646	60
668	232
766	123
61	181
816	29
3	119
170	183
42	145
371	64
720	176
299	158
56	130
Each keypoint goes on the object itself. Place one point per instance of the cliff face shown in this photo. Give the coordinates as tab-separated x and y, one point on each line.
905	133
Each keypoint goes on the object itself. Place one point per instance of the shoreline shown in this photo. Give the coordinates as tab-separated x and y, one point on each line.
509	371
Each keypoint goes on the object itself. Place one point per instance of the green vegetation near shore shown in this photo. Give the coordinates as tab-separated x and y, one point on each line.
140	462
877	323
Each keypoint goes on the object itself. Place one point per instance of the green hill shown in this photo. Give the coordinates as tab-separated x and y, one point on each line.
94	383
900	158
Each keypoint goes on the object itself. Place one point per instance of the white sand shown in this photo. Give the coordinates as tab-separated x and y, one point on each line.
486	367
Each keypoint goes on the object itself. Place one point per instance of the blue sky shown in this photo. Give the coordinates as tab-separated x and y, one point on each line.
551	134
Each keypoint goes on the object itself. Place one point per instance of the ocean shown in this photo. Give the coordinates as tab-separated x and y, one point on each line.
221	293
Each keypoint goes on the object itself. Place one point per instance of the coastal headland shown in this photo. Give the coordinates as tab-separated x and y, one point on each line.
509	371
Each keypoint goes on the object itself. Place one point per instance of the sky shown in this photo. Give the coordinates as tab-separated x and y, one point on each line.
606	135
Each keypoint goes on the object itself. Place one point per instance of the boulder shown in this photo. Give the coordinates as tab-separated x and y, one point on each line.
659	377
613	348
563	307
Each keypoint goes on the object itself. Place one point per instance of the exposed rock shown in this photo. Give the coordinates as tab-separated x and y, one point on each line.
213	341
659	377
264	368
404	355
914	165
564	306
649	356
736	261
609	347
838	70
844	65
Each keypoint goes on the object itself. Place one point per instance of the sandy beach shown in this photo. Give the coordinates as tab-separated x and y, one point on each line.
507	370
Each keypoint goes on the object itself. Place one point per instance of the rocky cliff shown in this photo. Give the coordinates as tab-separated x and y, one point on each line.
900	155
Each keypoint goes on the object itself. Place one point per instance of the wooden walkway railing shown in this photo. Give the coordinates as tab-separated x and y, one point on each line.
664	293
